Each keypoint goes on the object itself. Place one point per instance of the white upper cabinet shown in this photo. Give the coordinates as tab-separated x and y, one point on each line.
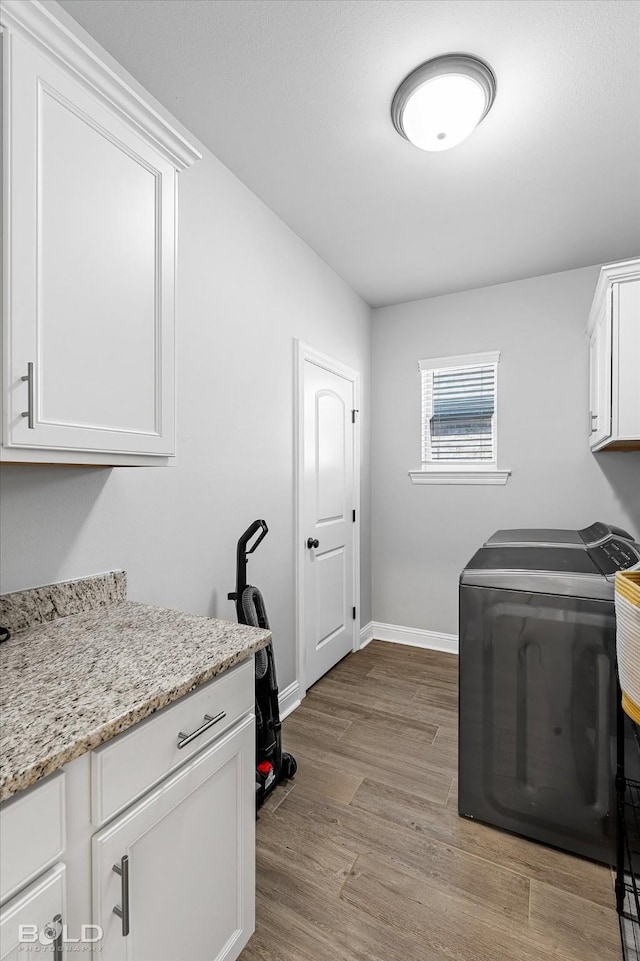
614	357
89	271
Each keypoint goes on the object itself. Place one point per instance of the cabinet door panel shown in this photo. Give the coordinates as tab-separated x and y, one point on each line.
36	908
190	845
91	232
600	386
98	333
626	359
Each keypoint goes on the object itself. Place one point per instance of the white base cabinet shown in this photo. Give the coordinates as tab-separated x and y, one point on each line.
614	359
170	804
185	887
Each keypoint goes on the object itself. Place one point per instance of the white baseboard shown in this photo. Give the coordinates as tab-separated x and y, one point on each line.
289	700
395	634
366	635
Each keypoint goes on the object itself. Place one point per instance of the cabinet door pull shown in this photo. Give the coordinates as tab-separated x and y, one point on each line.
29	413
184	739
122	870
56	928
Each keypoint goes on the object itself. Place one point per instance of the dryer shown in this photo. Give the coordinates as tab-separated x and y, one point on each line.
596	533
538	692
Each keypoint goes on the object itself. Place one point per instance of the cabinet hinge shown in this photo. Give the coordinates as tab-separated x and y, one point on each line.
354	613
353	415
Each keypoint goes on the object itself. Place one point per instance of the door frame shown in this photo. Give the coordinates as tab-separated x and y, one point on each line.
305	353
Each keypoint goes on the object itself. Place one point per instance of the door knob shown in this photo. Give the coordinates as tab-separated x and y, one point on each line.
312	542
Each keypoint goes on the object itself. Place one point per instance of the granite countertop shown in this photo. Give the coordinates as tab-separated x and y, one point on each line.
72	682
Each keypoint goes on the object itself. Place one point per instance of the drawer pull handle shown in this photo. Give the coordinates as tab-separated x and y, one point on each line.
184	739
29	413
122	870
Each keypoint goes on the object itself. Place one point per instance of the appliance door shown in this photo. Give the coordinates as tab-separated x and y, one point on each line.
537	717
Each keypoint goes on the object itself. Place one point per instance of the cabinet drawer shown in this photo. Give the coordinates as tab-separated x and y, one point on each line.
124	768
32	833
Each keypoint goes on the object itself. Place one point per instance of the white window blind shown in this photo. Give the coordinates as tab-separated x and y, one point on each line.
459	410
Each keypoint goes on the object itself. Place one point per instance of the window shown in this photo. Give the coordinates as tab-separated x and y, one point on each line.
459	420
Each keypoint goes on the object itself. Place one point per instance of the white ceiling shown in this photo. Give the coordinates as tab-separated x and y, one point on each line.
294	97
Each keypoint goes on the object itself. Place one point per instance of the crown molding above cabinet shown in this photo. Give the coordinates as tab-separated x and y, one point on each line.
39	24
89	236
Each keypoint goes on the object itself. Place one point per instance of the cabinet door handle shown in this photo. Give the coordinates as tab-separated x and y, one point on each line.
29	413
122	870
184	739
57	928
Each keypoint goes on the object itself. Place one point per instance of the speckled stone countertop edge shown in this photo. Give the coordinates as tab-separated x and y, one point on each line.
117	725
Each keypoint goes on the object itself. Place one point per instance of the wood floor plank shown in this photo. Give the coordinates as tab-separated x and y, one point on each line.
405	771
313	858
306	719
564	871
403	654
362	690
324	780
449	924
496	891
375	698
388	735
328	925
578	927
276	797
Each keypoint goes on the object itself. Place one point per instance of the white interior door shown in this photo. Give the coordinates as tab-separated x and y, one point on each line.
327	513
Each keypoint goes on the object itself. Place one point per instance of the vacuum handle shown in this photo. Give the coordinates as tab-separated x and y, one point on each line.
258	525
241	562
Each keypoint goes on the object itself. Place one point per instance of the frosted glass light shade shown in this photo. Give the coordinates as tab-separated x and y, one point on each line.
441	102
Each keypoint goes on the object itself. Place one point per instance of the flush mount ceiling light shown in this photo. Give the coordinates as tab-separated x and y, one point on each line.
441	102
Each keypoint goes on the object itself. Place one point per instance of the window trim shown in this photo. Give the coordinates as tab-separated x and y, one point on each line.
470	472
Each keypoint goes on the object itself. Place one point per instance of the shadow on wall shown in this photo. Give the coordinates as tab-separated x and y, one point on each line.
622	473
41	498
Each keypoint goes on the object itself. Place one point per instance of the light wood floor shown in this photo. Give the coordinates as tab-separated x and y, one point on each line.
363	856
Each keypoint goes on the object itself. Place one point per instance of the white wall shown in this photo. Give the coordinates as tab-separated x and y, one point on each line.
424	535
247	286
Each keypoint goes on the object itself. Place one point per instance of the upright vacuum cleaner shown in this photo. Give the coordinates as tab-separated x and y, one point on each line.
272	763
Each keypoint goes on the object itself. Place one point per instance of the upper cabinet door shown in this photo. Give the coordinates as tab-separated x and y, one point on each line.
91	271
625	305
614	340
600	376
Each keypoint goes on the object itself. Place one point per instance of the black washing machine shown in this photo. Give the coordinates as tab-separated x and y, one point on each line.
538	692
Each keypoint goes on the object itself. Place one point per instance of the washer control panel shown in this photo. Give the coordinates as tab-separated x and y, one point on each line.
599	532
616	555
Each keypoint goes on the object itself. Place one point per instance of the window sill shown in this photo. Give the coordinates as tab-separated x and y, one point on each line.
459	475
